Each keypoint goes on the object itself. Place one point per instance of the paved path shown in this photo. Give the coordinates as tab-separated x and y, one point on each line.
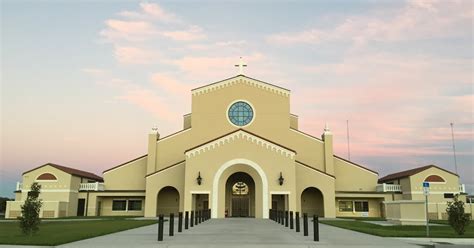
239	233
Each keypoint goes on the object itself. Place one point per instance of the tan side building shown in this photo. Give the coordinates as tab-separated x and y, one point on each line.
240	153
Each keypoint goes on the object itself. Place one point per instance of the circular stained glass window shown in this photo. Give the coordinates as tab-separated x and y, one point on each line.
240	113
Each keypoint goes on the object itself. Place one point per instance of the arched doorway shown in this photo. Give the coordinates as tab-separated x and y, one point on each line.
240	195
230	167
167	201
312	202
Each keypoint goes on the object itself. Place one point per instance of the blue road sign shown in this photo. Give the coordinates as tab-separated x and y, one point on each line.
426	184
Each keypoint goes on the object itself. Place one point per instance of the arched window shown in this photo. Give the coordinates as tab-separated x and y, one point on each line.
46	176
240	188
434	179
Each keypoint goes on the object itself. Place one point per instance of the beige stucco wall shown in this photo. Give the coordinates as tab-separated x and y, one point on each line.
154	183
374	208
307	177
106	206
209	120
270	161
130	176
293	121
406	212
353	178
437	190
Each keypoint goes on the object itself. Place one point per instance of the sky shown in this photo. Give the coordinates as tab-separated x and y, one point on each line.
83	82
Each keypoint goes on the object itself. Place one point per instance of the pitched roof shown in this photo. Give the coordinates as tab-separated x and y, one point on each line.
240	79
358	165
72	171
411	172
236	131
122	164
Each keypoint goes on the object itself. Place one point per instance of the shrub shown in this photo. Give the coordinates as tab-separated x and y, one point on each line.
456	216
29	219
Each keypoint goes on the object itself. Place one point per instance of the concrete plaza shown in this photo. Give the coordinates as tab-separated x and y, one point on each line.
247	232
240	233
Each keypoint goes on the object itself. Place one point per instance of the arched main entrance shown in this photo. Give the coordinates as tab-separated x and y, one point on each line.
167	201
240	195
219	185
312	202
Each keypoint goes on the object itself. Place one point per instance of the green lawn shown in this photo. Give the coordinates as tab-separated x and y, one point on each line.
60	232
400	231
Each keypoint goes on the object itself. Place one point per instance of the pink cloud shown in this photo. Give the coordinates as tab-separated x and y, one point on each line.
128	30
191	34
417	20
171	84
151	11
150	102
135	55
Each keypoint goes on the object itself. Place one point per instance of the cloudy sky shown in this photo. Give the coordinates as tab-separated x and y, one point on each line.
83	82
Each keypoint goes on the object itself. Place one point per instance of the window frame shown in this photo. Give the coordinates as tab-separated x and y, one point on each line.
119	200
363	209
134	200
346	209
254	113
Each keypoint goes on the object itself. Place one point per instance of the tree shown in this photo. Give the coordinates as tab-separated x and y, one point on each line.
29	220
456	216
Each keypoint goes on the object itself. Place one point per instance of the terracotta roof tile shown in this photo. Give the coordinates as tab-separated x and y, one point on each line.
72	171
410	172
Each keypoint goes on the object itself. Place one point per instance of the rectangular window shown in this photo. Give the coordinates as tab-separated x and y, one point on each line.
448	195
119	205
345	206
134	205
361	206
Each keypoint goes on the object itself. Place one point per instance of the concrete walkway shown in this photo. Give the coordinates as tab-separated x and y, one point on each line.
243	233
239	233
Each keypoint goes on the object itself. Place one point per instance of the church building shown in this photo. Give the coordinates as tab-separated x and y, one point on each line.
240	153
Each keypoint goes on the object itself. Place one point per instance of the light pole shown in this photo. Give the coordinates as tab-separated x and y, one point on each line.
454	149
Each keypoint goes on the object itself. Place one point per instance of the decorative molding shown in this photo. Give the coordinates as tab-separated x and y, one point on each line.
280	192
200	192
51	190
240	134
230	163
240	80
431	192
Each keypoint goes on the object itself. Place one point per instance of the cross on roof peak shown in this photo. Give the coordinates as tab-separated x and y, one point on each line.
241	66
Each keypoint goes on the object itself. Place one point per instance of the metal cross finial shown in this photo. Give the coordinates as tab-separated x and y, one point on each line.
241	66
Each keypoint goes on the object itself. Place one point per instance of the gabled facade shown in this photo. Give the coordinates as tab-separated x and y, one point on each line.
240	153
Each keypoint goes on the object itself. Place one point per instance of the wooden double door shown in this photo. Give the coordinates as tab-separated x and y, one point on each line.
240	206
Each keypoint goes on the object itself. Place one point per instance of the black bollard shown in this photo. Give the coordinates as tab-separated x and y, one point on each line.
191	219
282	217
200	216
196	218
279	217
171	232
305	224
161	220
316	227
291	219
286	218
297	219
186	220
180	221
